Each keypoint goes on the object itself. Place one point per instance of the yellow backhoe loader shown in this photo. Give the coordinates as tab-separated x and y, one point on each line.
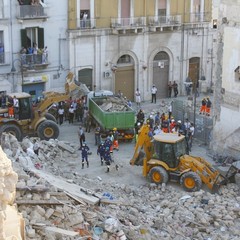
164	158
29	120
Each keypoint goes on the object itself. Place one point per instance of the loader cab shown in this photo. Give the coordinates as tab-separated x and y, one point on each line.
169	148
25	105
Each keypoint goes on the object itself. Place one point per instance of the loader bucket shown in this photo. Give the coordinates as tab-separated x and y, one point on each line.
74	88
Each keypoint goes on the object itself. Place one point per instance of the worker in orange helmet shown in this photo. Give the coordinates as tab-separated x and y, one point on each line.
115	139
203	107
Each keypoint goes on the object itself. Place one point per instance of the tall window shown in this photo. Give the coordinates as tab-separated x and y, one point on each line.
125	8
162	7
30	36
196	6
85	13
2	54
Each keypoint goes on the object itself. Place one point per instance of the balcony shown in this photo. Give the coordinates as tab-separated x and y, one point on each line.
164	23
86	24
197	19
34	61
28	12
128	25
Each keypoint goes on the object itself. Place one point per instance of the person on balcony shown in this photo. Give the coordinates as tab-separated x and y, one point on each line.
35	52
85	16
45	55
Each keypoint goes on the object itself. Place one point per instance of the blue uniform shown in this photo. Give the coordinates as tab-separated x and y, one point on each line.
101	151
84	150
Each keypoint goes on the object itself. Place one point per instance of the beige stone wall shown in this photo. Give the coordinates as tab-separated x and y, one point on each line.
9	224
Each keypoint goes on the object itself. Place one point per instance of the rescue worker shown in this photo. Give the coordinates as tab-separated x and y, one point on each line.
101	152
115	139
10	110
137	128
108	143
107	158
84	150
208	106
203	107
172	125
140	117
164	126
97	135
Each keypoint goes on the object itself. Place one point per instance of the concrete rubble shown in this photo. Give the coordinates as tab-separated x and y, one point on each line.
124	211
114	104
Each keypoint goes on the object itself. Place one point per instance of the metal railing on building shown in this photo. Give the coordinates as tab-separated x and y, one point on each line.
86	24
161	21
128	22
31	12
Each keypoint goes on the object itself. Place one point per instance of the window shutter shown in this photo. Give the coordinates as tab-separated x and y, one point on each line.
24	38
40	37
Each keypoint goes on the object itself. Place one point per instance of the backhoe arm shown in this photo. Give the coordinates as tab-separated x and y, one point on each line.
143	142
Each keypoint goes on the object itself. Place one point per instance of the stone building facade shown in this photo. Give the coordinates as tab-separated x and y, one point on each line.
109	44
226	134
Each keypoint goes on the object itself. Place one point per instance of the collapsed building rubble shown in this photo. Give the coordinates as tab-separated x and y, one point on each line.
122	211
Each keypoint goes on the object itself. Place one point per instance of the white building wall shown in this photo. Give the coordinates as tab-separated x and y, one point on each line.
101	51
226	134
55	27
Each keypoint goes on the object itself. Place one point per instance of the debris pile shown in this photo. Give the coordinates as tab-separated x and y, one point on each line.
114	104
123	211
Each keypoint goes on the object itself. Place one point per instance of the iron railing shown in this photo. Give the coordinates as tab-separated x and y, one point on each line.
31	11
86	24
128	22
33	59
165	20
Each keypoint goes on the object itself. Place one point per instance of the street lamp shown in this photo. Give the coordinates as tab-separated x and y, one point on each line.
13	70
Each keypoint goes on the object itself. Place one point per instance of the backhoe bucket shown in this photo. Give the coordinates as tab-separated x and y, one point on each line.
223	180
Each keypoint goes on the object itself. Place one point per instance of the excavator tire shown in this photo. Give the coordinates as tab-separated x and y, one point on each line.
47	130
158	175
191	181
49	116
13	129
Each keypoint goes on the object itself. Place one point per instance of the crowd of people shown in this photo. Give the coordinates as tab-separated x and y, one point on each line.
165	123
105	147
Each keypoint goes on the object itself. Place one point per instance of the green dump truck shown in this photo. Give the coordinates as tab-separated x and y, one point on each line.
108	116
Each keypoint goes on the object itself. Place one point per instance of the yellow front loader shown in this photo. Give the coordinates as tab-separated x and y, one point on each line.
164	158
31	120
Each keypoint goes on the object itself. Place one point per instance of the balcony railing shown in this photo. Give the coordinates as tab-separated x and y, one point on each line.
128	22
31	12
164	21
30	60
87	24
4	58
197	17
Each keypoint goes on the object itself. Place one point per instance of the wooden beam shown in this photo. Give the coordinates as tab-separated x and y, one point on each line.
41	202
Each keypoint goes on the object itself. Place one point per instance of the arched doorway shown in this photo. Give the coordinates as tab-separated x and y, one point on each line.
161	73
193	74
124	76
85	76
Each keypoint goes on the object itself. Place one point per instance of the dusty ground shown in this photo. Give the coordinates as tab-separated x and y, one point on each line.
127	174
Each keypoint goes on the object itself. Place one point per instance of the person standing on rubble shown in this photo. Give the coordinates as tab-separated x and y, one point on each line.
35	146
107	158
101	152
85	149
81	135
